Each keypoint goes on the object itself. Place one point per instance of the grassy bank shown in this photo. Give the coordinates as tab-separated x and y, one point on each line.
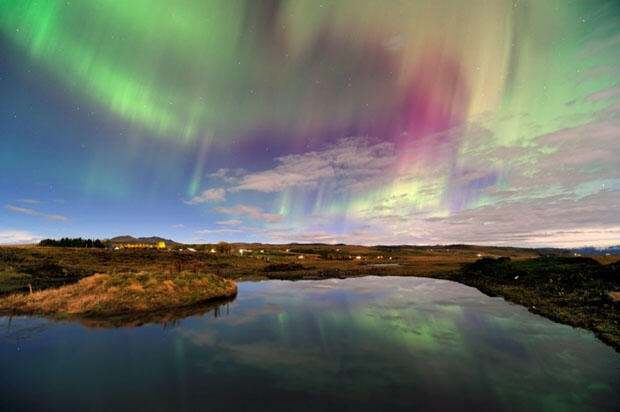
103	295
52	267
577	291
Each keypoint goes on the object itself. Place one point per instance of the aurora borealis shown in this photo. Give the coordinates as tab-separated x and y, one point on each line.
421	122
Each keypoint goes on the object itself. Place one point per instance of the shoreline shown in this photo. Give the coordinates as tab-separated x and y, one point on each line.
108	297
577	291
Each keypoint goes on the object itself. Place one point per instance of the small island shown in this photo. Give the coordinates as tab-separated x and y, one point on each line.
113	295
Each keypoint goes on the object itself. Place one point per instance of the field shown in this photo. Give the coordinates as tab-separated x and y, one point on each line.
45	267
574	290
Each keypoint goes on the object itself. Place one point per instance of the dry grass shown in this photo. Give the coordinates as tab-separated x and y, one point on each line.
606	260
108	295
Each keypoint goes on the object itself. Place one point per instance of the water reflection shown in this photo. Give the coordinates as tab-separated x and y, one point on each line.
167	317
354	344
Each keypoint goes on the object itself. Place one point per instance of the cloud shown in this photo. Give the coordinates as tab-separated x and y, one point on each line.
268	230
9	237
566	238
354	237
558	189
178	226
557	221
29	201
562	189
228	175
208	231
230	222
344	163
209	195
35	213
609	93
250	211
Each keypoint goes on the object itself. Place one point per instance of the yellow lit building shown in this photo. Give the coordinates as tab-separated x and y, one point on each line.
159	245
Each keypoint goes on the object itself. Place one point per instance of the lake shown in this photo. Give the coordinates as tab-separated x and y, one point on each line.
357	344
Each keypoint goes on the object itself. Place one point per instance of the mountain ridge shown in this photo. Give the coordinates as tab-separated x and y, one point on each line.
151	240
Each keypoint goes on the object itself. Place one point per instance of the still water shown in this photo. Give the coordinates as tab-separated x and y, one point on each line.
355	344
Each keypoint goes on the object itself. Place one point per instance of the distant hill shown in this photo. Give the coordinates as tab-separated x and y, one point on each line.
153	240
590	250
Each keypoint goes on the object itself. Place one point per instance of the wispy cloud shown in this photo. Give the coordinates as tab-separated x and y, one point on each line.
354	237
348	161
208	196
208	231
29	201
230	222
35	213
268	230
228	175
178	226
250	211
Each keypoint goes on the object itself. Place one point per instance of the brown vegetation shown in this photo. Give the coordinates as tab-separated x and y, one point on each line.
48	267
103	295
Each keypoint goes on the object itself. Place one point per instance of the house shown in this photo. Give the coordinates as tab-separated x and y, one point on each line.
212	250
358	258
158	245
134	246
300	257
191	249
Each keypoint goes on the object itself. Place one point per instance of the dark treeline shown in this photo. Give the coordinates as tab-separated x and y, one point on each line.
72	242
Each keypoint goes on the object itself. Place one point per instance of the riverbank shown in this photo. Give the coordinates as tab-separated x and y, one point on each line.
577	291
119	295
572	290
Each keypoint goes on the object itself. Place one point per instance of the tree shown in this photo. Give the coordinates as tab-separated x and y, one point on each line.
75	242
224	247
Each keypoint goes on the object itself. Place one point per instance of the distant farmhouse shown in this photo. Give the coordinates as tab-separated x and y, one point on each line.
130	242
158	245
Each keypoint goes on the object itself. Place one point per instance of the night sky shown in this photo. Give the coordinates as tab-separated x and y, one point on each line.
366	122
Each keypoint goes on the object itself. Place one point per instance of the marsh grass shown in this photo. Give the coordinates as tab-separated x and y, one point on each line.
107	295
